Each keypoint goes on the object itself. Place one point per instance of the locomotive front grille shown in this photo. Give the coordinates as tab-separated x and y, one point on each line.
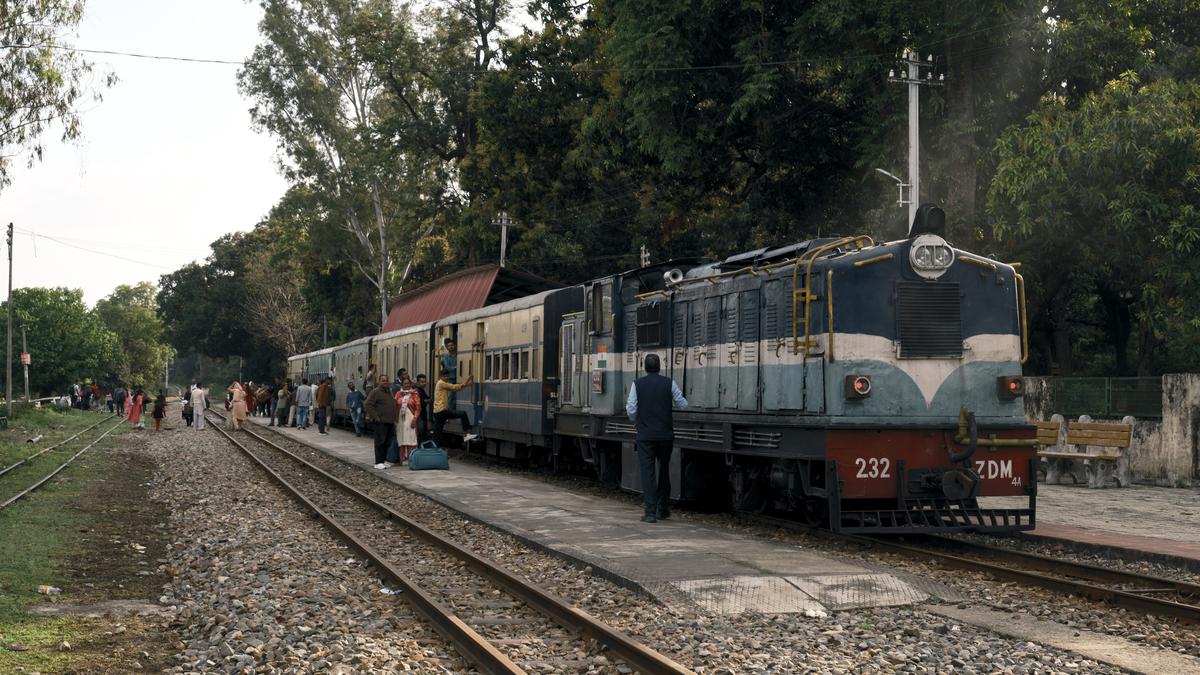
929	319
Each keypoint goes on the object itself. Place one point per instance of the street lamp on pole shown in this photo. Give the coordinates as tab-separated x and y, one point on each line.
900	201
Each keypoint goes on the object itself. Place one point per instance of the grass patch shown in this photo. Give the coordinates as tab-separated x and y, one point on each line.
40	533
27	422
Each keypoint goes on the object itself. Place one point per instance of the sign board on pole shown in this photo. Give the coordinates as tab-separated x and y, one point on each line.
25	358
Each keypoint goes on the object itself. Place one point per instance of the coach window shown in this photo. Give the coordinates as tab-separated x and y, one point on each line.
602	308
524	364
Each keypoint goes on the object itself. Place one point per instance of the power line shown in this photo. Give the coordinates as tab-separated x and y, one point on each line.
575	68
94	251
102	243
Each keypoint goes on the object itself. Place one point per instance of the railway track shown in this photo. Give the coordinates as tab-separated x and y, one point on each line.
1144	593
498	621
59	469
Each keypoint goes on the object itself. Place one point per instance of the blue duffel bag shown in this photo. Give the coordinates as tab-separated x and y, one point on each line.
428	456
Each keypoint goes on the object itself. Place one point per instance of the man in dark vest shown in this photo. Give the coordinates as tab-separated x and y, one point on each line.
650	403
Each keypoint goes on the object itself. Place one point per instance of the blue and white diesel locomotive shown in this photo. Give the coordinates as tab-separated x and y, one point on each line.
872	387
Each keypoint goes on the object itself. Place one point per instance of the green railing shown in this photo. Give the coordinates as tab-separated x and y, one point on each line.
1107	397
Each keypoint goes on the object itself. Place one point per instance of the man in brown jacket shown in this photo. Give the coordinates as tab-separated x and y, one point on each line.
381	412
322	404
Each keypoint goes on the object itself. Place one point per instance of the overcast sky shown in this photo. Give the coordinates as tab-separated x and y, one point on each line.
167	162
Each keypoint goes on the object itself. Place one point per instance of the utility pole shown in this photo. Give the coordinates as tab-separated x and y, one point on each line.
912	77
167	375
503	221
8	378
324	331
25	362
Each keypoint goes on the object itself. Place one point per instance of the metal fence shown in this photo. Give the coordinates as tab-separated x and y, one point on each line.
1107	397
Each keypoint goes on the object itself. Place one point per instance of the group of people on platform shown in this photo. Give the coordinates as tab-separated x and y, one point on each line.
401	414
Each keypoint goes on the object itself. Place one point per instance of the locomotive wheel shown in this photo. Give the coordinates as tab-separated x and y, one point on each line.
816	511
753	499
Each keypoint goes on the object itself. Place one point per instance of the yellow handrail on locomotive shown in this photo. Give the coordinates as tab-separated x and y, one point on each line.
809	259
1021	316
829	304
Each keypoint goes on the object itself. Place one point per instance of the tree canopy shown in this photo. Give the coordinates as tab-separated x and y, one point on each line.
42	86
67	342
710	129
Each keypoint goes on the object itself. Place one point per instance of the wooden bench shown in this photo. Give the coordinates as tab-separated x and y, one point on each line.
1097	450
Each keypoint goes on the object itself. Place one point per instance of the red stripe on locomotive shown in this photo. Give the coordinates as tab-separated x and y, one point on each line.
868	462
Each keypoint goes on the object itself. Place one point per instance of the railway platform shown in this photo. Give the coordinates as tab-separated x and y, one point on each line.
681	562
1152	523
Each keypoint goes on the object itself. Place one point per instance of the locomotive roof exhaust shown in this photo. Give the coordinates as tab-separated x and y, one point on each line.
930	219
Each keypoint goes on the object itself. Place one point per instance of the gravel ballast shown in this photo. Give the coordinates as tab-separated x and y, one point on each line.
259	586
903	639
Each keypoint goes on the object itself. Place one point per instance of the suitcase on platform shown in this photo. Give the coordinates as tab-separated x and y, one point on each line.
428	456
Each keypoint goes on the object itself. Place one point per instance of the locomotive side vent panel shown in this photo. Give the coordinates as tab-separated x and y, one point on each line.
929	319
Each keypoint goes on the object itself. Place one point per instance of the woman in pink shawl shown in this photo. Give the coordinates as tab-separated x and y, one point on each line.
408	412
135	410
237	412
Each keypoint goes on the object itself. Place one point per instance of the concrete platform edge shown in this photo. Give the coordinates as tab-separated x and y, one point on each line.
1122	552
579	560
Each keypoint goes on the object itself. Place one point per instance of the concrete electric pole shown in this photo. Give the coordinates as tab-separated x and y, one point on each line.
912	77
8	379
503	221
25	362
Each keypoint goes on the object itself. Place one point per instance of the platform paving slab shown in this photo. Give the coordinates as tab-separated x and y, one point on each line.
1113	650
677	561
1141	521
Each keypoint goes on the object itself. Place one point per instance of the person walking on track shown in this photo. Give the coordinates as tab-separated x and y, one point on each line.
237	410
649	406
381	412
135	411
160	409
119	395
441	407
199	405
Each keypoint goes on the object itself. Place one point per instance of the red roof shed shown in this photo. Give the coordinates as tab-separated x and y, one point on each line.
458	292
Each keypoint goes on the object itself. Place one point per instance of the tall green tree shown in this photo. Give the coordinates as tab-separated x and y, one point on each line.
1114	181
41	86
67	341
131	313
317	92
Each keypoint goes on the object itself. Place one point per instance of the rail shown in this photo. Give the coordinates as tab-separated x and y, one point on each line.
45	479
638	655
1124	589
46	449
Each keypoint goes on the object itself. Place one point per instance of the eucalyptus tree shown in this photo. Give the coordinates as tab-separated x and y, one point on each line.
42	82
315	89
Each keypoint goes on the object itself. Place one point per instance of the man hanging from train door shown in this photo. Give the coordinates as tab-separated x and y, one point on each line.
650	404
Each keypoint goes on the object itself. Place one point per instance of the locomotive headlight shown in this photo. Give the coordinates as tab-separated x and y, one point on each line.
930	256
